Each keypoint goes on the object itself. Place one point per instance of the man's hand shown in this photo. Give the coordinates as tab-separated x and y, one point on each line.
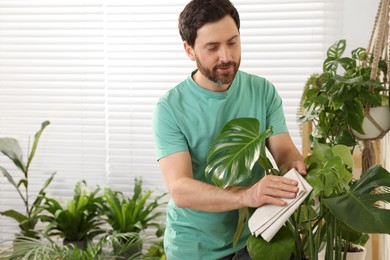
299	166
270	190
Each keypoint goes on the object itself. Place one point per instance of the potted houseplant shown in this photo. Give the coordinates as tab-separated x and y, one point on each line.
28	220
80	221
329	172
338	100
132	214
32	248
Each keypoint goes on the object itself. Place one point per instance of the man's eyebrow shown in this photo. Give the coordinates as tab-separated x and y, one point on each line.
216	43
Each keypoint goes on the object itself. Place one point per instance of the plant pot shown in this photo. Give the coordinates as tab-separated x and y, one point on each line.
132	250
381	116
350	255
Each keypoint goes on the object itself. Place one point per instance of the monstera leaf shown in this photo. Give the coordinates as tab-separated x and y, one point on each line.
358	206
235	151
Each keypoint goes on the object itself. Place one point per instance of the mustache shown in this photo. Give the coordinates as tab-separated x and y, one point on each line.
225	64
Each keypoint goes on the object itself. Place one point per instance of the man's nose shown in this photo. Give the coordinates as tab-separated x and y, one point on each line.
224	54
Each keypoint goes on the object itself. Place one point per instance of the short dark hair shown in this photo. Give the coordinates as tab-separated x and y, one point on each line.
199	12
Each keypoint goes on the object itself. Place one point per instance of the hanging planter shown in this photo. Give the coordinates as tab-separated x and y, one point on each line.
376	123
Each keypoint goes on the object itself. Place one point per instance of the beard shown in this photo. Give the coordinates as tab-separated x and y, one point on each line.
214	75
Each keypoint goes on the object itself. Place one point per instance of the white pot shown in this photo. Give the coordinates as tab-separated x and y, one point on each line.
350	255
381	116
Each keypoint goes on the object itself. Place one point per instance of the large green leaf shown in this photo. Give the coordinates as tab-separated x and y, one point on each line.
279	248
10	147
235	151
358	207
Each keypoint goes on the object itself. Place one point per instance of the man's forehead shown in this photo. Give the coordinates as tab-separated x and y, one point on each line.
217	32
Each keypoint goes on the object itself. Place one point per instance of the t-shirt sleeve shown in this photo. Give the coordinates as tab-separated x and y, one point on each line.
168	137
275	115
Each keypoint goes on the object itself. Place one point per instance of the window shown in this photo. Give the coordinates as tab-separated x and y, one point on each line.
96	68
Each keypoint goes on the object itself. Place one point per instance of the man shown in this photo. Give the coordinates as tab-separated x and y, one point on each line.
202	218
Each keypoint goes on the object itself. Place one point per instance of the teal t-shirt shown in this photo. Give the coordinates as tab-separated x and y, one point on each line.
187	118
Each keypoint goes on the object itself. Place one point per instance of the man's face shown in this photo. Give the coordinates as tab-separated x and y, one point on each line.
217	52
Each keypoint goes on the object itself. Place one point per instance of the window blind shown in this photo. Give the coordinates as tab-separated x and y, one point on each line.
96	68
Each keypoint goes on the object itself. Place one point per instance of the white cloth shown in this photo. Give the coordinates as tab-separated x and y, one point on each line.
268	219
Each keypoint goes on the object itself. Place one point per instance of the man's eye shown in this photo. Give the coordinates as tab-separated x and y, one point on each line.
212	48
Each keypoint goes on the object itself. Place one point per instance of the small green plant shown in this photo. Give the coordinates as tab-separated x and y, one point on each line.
80	221
336	100
10	147
133	214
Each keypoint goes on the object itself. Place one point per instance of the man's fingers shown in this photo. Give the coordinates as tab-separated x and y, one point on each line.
279	193
274	201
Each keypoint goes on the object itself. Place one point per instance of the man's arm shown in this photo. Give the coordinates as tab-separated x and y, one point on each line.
285	153
187	192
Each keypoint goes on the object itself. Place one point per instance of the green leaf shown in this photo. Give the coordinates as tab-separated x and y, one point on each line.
36	140
10	147
330	65
334	53
235	151
35	207
279	248
19	217
359	54
243	215
347	63
11	180
24	182
322	180
336	50
321	153
137	188
344	153
354	115
358	207
346	138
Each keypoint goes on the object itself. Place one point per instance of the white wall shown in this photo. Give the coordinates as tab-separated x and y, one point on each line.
358	21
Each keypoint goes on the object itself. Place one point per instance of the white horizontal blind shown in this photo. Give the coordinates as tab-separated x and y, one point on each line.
96	68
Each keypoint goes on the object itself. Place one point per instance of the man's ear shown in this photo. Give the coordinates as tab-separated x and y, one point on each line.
189	50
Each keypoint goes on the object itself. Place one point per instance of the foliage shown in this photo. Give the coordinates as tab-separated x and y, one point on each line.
10	147
80	220
279	248
232	156
336	101
31	248
324	216
156	251
133	214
